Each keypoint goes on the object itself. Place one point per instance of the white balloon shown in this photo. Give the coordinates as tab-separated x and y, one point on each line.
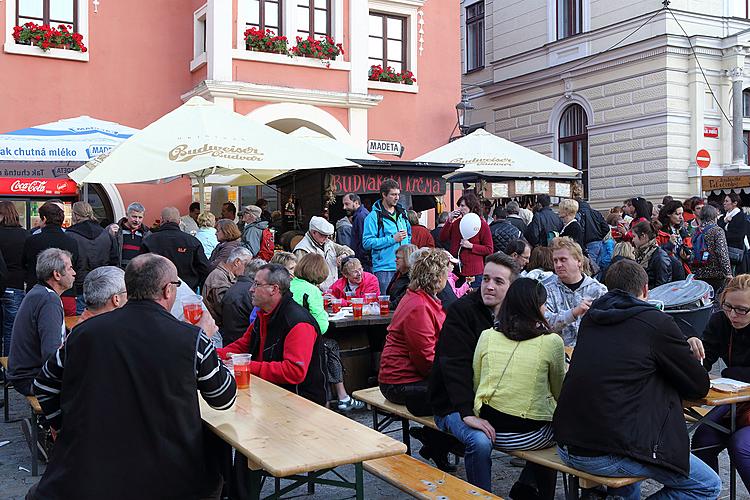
470	225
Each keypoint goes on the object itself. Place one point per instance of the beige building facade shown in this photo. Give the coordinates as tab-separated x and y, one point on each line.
618	91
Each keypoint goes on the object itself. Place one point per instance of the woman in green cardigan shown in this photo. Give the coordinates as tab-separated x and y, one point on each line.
519	366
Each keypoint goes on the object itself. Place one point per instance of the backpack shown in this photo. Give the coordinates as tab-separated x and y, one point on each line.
266	246
700	249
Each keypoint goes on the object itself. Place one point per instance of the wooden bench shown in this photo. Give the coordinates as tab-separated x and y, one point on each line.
420	480
391	412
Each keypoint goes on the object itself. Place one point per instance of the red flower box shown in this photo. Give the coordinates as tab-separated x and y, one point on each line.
46	37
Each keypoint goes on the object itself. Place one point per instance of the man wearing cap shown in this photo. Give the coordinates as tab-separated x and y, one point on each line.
317	240
253	232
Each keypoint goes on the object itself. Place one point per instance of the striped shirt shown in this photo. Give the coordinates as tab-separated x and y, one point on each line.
215	382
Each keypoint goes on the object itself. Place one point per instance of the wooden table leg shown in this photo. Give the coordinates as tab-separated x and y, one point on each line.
255	478
359	481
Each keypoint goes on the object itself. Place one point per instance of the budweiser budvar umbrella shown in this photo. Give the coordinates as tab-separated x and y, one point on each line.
201	139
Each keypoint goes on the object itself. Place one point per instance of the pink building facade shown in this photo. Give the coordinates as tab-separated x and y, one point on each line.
145	58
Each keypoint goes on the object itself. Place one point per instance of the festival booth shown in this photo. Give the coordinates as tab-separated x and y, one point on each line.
715	188
503	170
35	163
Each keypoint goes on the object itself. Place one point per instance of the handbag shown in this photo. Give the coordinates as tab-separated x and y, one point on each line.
736	255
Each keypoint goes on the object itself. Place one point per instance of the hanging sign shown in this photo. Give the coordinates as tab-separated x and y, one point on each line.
37	187
376	146
370	183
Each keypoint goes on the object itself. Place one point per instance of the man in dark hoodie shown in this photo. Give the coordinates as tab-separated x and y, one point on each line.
620	409
544	224
451	389
94	246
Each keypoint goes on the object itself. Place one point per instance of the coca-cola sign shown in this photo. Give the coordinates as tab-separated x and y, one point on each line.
37	187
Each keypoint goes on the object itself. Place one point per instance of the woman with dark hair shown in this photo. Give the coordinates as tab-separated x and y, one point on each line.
12	239
710	254
471	252
519	367
641	212
650	255
674	238
734	225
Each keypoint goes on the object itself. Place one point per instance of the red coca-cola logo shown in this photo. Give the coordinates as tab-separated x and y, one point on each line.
28	187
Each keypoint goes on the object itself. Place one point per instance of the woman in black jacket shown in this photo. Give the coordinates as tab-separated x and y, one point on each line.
733	222
12	239
648	254
727	337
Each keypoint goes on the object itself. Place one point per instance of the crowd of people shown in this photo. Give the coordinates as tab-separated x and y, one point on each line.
477	337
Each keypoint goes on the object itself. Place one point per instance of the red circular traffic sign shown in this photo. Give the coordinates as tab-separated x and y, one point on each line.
703	158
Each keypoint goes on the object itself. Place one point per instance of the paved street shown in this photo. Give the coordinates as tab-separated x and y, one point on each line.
15	482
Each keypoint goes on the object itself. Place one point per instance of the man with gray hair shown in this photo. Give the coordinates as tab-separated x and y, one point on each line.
129	380
514	209
39	327
284	339
237	304
129	234
183	249
103	291
222	278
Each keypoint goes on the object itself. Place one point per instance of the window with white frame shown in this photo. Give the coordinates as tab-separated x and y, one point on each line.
51	12
199	38
388	41
265	15
475	36
569	18
314	18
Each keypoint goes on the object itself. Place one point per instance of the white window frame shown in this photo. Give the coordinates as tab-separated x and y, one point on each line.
407	9
552	20
11	47
289	30
199	34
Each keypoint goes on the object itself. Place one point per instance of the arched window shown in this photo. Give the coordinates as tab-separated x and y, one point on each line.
573	142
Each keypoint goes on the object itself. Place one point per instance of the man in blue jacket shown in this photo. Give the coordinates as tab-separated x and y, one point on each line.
353	207
386	229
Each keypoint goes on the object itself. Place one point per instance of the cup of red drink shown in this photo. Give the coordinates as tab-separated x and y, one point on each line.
241	363
192	308
371	298
335	305
385	303
357	305
326	301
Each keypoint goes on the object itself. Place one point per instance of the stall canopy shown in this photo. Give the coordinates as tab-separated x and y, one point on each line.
485	155
201	139
71	140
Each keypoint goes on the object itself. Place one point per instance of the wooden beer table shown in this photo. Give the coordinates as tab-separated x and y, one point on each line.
367	320
286	436
716	399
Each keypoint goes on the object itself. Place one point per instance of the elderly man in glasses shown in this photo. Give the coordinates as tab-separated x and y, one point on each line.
127	380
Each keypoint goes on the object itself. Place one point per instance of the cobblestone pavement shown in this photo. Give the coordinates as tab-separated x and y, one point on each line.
15	466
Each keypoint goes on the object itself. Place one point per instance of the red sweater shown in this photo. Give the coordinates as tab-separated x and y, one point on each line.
410	345
369	284
421	237
472	259
298	348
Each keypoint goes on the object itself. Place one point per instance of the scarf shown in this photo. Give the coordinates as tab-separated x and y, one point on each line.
644	253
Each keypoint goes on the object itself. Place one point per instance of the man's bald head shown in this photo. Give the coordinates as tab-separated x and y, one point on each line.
147	275
170	214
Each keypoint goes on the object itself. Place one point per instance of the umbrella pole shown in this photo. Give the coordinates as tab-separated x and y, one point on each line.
202	192
85	192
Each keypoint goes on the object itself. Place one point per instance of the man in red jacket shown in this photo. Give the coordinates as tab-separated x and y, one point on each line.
283	339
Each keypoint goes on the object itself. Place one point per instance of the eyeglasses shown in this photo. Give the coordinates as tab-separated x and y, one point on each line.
175	283
739	311
256	285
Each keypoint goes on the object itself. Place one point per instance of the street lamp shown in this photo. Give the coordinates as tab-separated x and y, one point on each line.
463	113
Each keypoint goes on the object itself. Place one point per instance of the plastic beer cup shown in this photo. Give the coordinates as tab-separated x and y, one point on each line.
241	363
